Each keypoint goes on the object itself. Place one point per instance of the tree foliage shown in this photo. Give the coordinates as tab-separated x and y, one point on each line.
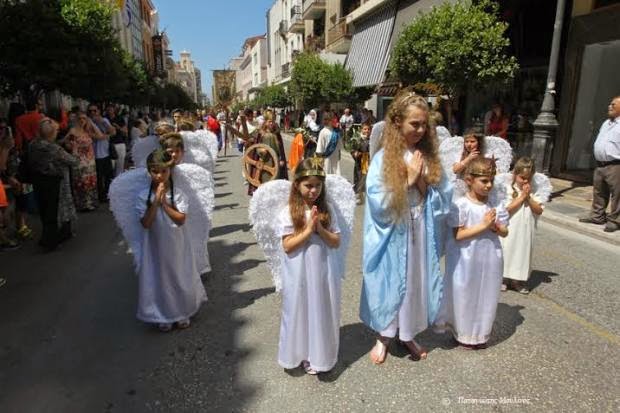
275	96
71	46
455	46
314	81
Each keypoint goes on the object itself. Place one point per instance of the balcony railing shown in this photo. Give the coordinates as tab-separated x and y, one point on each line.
283	28
338	31
297	21
295	13
285	70
313	9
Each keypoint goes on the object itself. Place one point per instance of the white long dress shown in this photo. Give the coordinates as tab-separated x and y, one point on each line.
473	275
170	289
332	162
412	317
520	240
310	325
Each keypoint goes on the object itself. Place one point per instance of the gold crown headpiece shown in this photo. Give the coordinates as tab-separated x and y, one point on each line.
483	168
316	168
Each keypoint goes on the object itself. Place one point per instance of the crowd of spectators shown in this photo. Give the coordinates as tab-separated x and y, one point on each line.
56	163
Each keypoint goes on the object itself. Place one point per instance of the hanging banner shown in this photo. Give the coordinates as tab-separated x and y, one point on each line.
224	87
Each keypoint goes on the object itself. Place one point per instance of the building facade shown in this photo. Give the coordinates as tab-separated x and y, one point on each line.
285	31
185	75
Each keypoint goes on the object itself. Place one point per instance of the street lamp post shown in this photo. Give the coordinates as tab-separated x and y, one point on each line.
546	124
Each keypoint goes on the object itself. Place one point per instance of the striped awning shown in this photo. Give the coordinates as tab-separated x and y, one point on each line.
370	47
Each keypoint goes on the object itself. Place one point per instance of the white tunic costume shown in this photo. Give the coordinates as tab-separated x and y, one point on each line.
518	244
332	162
520	240
473	275
310	325
412	317
170	289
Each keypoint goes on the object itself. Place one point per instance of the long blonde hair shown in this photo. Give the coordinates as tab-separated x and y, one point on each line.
394	146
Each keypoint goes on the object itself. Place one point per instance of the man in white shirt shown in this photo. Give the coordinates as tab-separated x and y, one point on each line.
346	121
606	181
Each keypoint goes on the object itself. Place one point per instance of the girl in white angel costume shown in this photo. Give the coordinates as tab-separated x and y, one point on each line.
305	245
526	192
474	258
457	152
162	211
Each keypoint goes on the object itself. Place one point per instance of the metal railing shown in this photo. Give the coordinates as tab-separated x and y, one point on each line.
283	28
310	3
286	70
338	31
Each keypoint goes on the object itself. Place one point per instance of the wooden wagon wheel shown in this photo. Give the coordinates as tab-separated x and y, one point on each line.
254	167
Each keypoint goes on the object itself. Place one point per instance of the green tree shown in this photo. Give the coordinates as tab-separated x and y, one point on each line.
314	81
455	46
275	96
68	45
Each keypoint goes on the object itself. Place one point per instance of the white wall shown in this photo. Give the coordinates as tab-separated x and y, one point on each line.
281	47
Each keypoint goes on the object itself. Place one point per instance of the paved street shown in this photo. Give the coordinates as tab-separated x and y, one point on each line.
70	341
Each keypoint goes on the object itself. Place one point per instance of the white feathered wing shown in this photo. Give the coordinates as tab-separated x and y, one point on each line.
142	148
197	151
123	193
197	184
211	140
498	148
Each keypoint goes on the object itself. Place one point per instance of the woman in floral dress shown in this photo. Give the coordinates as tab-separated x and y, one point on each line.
85	174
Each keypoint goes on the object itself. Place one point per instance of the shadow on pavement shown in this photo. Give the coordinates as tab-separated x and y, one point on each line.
356	340
223	195
539	277
225	206
228	229
507	320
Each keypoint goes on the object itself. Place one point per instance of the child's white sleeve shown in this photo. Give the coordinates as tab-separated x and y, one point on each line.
180	201
503	217
458	215
140	205
334	226
284	223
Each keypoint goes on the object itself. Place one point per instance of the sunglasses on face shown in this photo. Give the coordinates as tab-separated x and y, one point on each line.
93	110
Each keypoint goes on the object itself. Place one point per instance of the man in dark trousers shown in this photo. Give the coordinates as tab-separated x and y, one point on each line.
606	181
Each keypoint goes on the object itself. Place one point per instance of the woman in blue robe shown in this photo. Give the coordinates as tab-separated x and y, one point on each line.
406	206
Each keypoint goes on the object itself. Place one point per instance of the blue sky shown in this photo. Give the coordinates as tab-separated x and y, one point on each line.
212	30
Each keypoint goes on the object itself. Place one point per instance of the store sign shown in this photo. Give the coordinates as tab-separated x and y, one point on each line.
158	55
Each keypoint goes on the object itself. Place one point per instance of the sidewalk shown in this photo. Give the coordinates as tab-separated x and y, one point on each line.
569	202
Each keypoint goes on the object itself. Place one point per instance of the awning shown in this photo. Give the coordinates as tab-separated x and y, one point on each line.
388	89
369	53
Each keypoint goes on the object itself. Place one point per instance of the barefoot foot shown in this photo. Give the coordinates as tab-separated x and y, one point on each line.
378	354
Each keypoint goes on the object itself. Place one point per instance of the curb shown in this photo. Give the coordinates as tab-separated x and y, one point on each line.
571	223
